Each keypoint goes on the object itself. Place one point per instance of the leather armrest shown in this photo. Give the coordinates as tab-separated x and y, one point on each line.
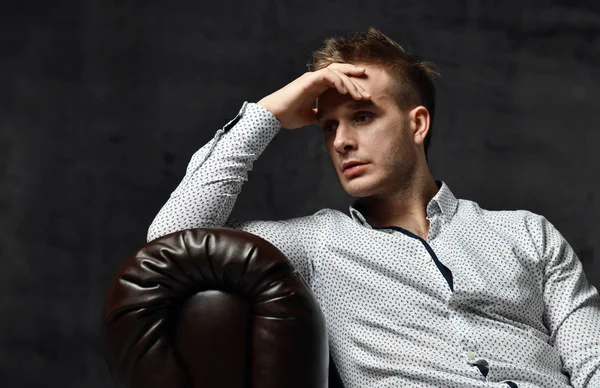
213	307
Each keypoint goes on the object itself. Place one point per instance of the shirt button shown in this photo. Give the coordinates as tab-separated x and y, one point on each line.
471	355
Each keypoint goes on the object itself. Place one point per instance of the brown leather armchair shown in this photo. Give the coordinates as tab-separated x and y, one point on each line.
214	307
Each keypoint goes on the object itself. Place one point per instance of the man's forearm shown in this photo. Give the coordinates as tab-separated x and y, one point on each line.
215	175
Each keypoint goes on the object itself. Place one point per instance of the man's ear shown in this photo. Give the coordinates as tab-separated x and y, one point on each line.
419	120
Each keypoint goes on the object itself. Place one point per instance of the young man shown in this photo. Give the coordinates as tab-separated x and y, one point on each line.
418	288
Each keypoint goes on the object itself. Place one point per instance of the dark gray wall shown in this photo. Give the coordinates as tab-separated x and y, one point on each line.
103	103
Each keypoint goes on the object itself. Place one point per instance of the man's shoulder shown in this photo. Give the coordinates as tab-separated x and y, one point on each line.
326	215
469	208
517	225
321	216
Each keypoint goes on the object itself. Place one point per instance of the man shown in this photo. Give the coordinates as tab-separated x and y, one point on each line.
418	288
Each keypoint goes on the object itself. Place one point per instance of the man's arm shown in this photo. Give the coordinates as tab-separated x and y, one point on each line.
572	306
215	175
214	178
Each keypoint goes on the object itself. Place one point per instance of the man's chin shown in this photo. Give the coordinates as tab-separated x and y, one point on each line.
358	189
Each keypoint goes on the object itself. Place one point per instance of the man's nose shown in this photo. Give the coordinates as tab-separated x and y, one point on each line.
344	138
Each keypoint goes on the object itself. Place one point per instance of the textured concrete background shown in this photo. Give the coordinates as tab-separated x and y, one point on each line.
102	105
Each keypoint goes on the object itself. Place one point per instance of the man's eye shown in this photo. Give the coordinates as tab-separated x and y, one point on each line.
364	115
327	127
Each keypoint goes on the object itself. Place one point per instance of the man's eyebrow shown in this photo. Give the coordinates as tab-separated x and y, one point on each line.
352	106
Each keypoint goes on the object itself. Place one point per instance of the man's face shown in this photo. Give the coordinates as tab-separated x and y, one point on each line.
373	131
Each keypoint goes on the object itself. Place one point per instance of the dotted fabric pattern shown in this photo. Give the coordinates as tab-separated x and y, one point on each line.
488	299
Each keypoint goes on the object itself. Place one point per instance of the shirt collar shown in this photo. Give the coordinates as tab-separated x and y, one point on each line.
443	202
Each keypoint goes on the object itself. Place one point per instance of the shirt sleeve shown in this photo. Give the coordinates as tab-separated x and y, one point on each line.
214	178
572	307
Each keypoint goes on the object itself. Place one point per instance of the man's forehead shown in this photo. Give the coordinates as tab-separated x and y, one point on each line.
350	105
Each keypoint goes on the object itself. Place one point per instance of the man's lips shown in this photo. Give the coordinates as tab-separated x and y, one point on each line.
352	163
353	169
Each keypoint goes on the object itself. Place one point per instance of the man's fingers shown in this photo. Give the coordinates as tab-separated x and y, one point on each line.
350	86
333	80
338	76
346	67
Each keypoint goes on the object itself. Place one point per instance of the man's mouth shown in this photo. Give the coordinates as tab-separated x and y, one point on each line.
352	163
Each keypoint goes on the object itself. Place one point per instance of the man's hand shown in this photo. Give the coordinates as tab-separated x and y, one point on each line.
292	104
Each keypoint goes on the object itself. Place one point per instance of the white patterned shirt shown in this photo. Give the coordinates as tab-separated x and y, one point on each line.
500	293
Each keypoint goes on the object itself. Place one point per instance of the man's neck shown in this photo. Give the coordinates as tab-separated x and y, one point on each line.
407	208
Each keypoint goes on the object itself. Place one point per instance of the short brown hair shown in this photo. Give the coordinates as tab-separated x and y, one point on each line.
413	77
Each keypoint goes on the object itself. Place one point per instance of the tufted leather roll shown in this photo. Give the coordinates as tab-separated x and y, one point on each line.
213	307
